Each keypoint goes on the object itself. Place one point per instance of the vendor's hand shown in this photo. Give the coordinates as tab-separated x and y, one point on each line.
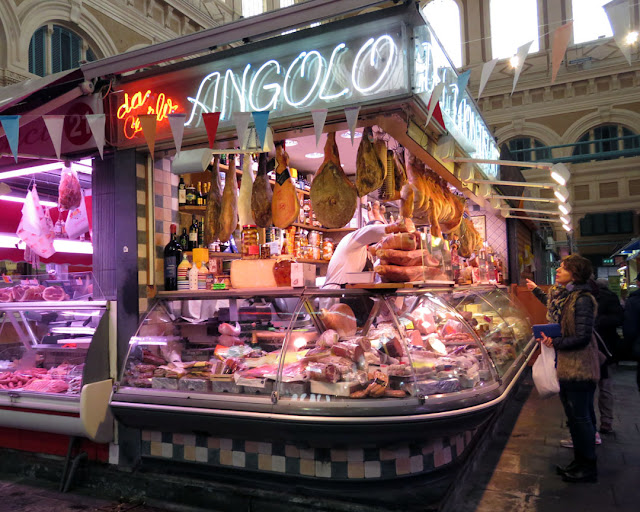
401	226
531	285
546	340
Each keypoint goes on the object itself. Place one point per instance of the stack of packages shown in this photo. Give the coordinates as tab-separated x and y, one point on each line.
402	260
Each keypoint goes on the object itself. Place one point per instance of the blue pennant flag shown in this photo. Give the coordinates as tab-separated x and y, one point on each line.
463	80
261	119
11	126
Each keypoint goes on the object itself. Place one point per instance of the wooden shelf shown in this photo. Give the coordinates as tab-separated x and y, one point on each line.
324	230
316	262
192	209
222	255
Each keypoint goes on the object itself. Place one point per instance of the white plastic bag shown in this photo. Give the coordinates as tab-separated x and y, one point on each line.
545	376
77	221
38	238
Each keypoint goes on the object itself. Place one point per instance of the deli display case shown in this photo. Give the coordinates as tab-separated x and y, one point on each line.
326	367
54	364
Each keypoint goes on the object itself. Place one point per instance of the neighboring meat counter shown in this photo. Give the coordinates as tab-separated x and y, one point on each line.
309	374
54	363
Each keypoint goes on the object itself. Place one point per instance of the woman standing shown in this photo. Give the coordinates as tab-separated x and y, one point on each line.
571	304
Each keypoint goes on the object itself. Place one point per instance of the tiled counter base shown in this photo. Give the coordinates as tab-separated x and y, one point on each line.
338	463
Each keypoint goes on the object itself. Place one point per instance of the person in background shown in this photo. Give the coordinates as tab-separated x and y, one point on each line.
571	304
610	316
631	325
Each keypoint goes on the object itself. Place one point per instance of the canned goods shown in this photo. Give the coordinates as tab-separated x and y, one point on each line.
250	246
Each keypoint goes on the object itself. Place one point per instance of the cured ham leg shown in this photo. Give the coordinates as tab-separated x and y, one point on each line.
285	205
214	203
229	208
370	171
245	215
261	194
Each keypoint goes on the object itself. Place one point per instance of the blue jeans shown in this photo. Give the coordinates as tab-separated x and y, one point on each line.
577	400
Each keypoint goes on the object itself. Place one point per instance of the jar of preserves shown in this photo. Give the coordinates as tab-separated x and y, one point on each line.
250	245
327	249
282	272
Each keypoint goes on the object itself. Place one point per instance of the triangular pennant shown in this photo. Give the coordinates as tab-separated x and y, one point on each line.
268	142
463	80
96	124
11	126
351	113
521	55
242	125
206	158
54	127
177	130
319	116
433	102
149	122
487	69
261	118
620	20
211	120
561	37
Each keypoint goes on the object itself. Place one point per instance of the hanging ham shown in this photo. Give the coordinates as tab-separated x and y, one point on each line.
370	170
333	197
244	199
214	200
229	207
261	195
285	205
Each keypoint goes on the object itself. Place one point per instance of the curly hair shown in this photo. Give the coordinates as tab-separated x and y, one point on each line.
580	268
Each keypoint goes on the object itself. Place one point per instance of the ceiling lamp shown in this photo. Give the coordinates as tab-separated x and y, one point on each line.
565	208
314	155
565	220
567	227
562	193
631	38
347	135
560	174
290	142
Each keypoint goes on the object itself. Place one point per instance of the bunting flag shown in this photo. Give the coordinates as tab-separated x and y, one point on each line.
149	122
54	126
620	19
521	55
96	124
559	45
206	158
351	114
434	102
11	126
463	80
319	116
487	69
177	129
268	141
241	120
261	119
211	120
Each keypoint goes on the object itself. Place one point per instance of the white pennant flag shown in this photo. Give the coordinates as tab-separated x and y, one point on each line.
242	125
435	98
54	126
620	19
96	124
521	55
319	116
351	113
487	69
177	130
268	141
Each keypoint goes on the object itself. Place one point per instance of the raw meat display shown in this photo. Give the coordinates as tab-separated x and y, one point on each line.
54	293
69	191
262	194
57	379
214	202
399	274
285	205
340	318
370	173
229	208
6	295
245	216
407	258
228	329
333	197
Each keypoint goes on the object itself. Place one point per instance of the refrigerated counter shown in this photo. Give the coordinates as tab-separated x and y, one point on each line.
211	375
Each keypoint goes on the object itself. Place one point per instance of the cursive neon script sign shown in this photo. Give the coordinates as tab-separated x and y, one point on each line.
143	103
318	77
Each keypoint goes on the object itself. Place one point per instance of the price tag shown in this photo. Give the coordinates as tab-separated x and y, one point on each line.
283	177
219	286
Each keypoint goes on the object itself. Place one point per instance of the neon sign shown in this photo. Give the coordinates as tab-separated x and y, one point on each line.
143	103
315	77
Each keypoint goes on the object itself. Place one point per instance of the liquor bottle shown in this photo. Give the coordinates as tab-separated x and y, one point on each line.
182	193
172	257
184	239
193	234
199	194
205	193
201	234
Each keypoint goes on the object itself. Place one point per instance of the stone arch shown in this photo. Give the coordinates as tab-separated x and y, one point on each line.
626	118
544	134
34	14
9	34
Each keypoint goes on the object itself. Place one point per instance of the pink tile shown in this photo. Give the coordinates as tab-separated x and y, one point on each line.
251	446
307	453
213	443
166	202
226	444
166	190
291	451
403	466
416	464
158	187
355	455
178	439
146	435
189	439
156	436
338	455
264	448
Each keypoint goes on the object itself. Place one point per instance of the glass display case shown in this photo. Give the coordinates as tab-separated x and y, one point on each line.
318	357
54	354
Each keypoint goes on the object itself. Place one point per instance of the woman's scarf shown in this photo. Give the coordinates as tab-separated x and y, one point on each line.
557	296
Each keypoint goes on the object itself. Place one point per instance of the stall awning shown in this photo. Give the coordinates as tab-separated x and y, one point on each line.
630	247
12	94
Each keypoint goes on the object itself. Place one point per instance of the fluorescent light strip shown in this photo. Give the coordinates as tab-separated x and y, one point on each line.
83	166
67	246
22	200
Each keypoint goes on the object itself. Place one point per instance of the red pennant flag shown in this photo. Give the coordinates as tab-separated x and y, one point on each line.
211	120
437	114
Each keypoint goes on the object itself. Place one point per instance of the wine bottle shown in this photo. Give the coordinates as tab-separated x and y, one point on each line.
184	240
182	193
172	257
199	194
193	234
200	234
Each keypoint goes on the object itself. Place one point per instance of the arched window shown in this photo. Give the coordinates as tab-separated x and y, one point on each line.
590	20
512	25
252	7
444	18
527	149
606	142
54	48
